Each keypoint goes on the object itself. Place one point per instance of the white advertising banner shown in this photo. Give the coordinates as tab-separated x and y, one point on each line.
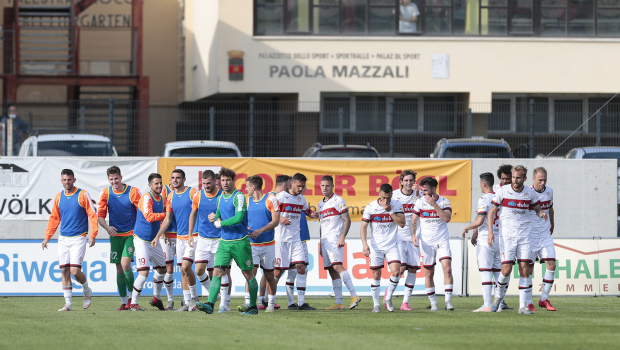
26	269
28	185
584	267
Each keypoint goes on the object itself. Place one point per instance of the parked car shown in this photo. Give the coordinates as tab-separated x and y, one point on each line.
341	151
472	148
63	145
201	148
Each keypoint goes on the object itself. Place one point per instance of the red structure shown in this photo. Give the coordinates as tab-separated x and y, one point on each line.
57	25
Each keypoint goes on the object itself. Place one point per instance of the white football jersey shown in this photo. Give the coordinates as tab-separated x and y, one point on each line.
382	226
541	227
291	207
404	233
515	210
329	215
432	228
484	206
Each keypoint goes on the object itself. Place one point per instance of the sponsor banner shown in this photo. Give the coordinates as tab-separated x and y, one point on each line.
357	181
28	185
583	267
27	270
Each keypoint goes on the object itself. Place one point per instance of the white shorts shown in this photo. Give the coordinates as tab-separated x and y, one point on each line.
264	256
542	249
185	252
304	247
205	250
289	253
332	255
146	253
169	249
431	252
488	257
378	256
71	251
516	248
409	254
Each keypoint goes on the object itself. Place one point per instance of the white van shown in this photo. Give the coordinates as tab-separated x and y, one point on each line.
67	145
201	148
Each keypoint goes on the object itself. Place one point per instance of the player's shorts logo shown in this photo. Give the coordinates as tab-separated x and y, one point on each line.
247	262
335	256
130	249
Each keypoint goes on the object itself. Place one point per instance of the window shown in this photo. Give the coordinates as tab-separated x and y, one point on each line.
541	114
370	113
406	114
568	114
545	18
439	114
331	109
609	115
499	119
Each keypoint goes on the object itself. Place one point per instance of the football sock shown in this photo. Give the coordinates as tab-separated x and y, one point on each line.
392	287
337	284
169	284
247	298
253	287
346	279
495	285
547	284
137	288
84	285
448	291
502	281
430	292
487	287
528	291
261	299
290	286
301	289
187	296
68	294
158	283
272	299
205	282
375	288
124	300
216	283
409	284
129	280
193	295
223	290
522	292
122	285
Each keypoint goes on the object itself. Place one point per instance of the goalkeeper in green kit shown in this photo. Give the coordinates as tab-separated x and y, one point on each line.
235	244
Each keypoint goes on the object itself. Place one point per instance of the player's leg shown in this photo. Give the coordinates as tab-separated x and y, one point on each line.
298	258
428	262
202	256
485	263
126	260
241	252
394	267
326	253
169	250
76	256
188	273
64	261
262	290
507	256
116	249
256	252
156	256
142	265
445	259
222	260
548	254
524	258
375	264
411	264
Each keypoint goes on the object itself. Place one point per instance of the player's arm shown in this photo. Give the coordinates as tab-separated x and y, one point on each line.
363	235
398	215
193	215
541	214
274	207
52	223
240	210
413	226
345	228
134	196
490	217
476	223
85	202
551	218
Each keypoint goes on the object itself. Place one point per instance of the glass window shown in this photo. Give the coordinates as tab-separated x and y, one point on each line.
541	114
405	114
370	113
331	108
408	16
439	114
438	17
269	17
326	19
465	21
381	20
499	119
610	115
521	12
568	114
608	17
553	17
298	16
493	17
353	17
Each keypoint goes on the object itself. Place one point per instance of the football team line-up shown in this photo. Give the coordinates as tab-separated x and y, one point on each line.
218	224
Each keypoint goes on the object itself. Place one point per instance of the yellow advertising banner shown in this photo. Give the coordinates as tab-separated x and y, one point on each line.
357	181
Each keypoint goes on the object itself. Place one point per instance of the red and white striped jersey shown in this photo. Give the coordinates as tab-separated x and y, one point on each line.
408	201
329	215
484	205
515	210
291	207
541	227
432	228
382	226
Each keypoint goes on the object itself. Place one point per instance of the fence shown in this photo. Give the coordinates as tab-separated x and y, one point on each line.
275	127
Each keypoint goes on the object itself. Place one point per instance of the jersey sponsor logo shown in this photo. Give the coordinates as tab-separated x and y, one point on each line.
328	212
381	217
408	208
516	203
292	208
545	205
428	214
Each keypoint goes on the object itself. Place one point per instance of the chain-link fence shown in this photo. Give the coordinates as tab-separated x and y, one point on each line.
334	127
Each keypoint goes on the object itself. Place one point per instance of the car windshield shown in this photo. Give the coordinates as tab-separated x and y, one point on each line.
603	155
346	153
203	152
74	148
476	151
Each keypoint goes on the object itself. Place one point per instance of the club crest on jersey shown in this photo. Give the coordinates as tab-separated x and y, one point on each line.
527	195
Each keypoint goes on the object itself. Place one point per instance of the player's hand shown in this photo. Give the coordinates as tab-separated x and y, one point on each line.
112	231
415	241
167	239
314	215
490	239
285	221
341	242
551	230
154	242
256	233
430	200
543	215
465	233
386	206
91	241
44	243
416	190
474	239
212	217
190	241
320	250
366	251
218	224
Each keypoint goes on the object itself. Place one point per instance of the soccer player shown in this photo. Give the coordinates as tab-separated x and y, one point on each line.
433	212
516	201
335	224
504	174
145	237
383	216
73	212
263	217
121	201
205	203
169	247
179	207
232	219
289	249
488	256
541	242
407	195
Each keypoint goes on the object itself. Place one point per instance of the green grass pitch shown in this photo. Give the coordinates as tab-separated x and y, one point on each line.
579	323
